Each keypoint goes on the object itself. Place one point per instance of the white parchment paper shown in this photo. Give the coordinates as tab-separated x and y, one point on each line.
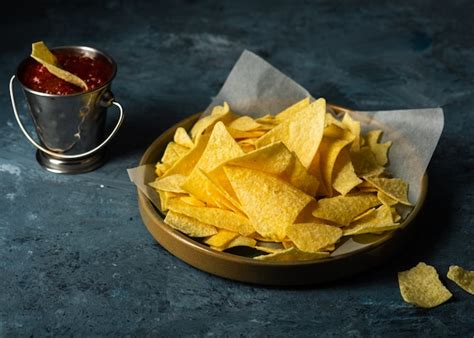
256	88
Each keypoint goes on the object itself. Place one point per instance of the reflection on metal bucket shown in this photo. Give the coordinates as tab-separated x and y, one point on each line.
70	128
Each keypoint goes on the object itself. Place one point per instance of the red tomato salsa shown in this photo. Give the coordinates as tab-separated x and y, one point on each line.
94	71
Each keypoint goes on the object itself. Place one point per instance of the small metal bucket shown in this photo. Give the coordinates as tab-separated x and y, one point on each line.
70	128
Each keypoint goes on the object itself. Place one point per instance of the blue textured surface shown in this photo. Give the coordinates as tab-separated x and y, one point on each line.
75	257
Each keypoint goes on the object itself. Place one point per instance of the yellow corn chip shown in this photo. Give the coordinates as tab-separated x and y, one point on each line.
247	148
330	119
165	197
395	216
289	112
201	186
270	203
385	199
292	254
344	178
186	164
220	218
298	176
269	250
161	168
244	123
190	226
173	153
182	138
421	286
343	209
191	200
463	278
170	183
354	127
239	134
247	141
238	241
380	150
42	54
301	134
219	113
365	213
365	163
334	140
273	159
276	159
395	188
267	119
222	238
311	237
375	222
220	148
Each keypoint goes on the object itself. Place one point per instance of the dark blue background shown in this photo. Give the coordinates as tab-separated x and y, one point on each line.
75	257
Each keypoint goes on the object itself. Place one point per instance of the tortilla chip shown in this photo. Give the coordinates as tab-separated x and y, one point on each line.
220	148
343	209
173	153
276	159
334	140
165	197
380	150
42	54
385	199
365	163
220	218
244	123
344	178
375	222
270	203
395	188
219	113
170	183
292	254
290	112
222	238
311	237
191	200
186	164
182	138
354	127
190	226
239	134
463	278
301	134
238	241
421	286
365	213
201	186
161	168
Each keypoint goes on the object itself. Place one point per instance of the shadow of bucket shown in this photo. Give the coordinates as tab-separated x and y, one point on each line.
70	128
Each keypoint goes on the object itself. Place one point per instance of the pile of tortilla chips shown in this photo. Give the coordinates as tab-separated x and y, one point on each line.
292	186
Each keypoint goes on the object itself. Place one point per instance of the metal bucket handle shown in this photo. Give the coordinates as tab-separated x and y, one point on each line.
52	153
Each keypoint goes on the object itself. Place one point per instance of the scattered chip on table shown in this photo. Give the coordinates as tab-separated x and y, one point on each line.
422	287
463	278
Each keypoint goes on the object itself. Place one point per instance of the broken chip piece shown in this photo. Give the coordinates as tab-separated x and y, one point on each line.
463	278
421	286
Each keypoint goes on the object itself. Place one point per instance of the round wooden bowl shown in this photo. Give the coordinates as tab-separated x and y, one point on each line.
246	269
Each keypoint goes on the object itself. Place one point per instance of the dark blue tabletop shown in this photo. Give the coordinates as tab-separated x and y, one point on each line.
75	257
